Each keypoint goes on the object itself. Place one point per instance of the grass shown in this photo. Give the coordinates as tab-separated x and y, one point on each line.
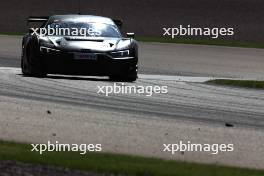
203	42
118	164
13	33
238	83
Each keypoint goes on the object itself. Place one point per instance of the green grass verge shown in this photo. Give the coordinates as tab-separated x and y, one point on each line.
118	164
238	83
202	42
12	33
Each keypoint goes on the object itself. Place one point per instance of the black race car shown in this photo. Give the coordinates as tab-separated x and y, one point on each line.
79	45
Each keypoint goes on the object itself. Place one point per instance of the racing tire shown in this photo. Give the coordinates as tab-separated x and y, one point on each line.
31	62
131	76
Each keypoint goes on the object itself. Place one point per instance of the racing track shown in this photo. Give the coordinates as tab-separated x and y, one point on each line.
68	109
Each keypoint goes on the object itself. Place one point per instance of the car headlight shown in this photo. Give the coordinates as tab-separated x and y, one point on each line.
47	44
120	54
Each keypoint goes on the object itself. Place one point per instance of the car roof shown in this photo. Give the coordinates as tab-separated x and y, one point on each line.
87	18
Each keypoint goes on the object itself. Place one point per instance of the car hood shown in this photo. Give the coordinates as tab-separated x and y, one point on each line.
89	43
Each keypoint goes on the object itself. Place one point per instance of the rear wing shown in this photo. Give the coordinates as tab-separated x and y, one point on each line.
40	19
43	19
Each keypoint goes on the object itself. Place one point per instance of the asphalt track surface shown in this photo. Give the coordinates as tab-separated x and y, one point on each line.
69	109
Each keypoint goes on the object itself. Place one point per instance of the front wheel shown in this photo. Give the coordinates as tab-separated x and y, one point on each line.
130	76
31	63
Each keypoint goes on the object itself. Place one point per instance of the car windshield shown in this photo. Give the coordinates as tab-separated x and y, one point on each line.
78	28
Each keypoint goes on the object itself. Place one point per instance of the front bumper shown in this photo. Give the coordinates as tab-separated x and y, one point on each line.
63	62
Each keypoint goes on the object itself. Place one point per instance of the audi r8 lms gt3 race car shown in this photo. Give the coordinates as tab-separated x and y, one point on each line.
79	45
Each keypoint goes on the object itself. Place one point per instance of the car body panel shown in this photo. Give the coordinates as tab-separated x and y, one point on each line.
71	54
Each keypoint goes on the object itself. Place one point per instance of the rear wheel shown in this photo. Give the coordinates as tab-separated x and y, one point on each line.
31	62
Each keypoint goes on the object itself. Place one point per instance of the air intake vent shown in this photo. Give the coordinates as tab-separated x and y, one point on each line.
83	39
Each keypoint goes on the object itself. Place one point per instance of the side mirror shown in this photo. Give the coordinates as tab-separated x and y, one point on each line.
130	35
